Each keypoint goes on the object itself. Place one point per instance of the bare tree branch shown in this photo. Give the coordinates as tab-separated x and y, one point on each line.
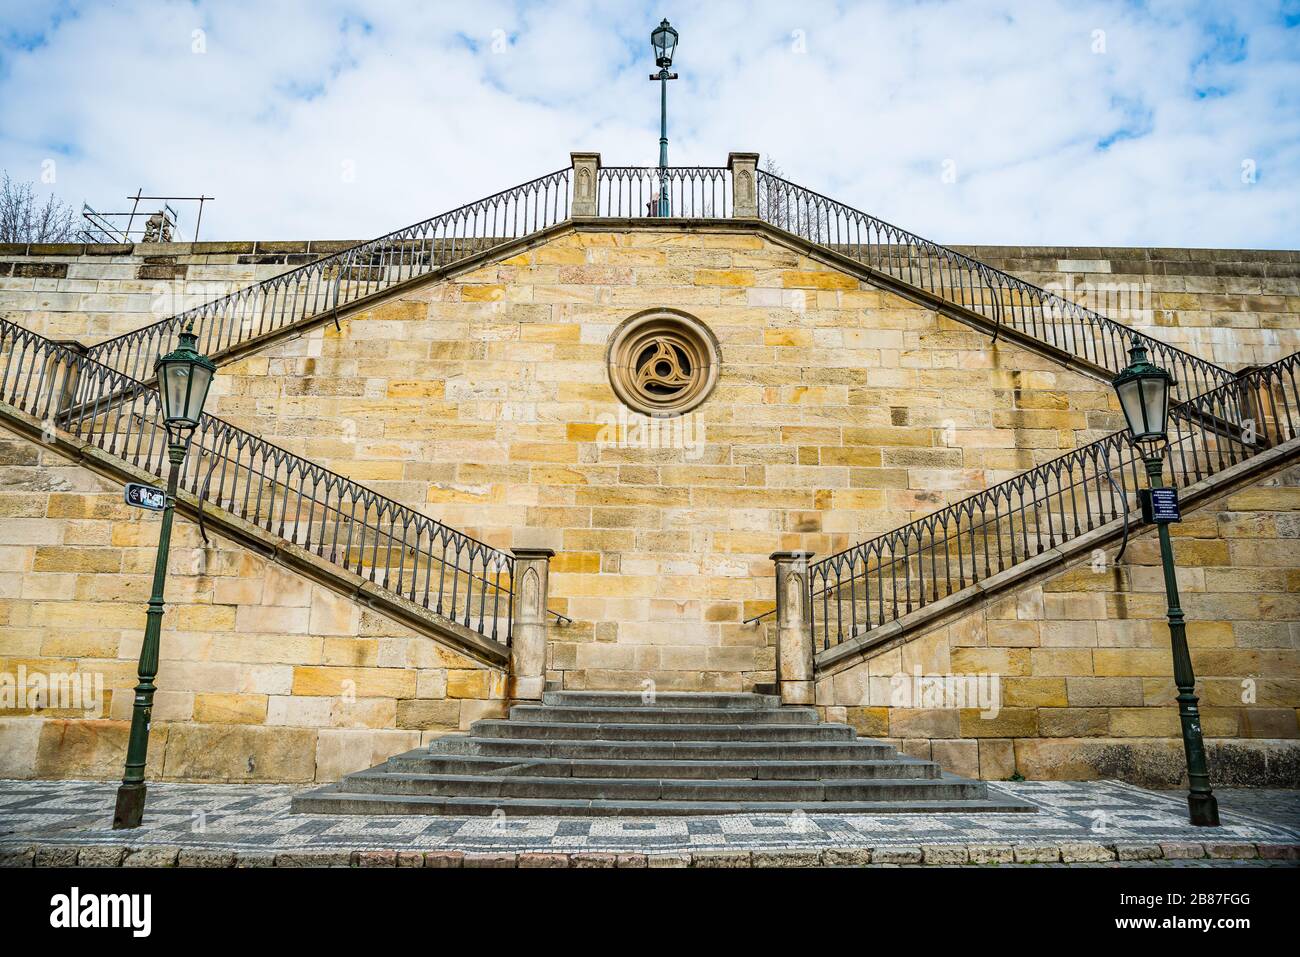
783	209
24	220
775	204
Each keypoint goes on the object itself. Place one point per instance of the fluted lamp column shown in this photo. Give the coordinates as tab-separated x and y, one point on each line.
1143	390
184	377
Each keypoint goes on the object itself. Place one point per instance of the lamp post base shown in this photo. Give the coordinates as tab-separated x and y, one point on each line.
130	806
1204	810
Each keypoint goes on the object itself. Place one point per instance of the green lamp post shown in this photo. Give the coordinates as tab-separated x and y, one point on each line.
1143	390
664	41
184	376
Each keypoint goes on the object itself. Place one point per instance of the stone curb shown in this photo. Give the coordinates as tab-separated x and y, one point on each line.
971	855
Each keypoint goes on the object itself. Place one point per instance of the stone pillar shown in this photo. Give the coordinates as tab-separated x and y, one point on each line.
64	376
585	166
744	184
794	641
528	632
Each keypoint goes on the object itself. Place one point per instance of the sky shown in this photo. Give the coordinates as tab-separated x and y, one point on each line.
1032	122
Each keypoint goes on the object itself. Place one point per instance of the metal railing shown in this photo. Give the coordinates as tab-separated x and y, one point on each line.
702	192
105	399
401	550
880	580
997	296
328	284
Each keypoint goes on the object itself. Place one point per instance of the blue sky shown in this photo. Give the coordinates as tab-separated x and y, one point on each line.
1080	123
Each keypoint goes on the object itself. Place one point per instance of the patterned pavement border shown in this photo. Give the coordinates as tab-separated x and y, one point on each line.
62	822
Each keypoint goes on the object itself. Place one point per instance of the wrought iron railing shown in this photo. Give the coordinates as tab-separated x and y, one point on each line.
328	284
396	548
104	398
997	296
880	580
702	192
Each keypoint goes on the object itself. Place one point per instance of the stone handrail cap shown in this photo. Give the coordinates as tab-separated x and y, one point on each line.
791	556
532	553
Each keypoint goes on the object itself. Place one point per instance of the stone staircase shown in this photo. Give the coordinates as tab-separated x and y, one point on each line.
603	753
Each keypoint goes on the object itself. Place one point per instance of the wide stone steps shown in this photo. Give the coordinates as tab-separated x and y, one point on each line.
680	750
616	753
713	700
382	781
421	761
654	715
637	731
327	801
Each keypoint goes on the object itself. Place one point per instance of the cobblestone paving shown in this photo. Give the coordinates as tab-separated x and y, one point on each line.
256	818
1269	804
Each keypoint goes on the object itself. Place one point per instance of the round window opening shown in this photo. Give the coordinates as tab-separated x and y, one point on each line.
663	362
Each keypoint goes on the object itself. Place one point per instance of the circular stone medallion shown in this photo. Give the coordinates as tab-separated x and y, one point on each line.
663	362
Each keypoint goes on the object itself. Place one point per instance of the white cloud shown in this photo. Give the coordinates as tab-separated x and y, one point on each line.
436	104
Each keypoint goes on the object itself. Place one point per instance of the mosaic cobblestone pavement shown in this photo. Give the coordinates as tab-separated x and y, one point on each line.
257	817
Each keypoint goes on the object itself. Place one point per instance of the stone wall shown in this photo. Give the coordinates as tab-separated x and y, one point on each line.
94	292
1234	307
841	412
1085	668
264	675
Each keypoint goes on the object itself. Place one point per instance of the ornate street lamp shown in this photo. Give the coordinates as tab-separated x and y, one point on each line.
664	41
1143	391
184	376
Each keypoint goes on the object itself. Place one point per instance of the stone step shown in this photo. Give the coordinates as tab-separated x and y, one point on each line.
570	749
421	761
608	753
380	781
593	714
727	701
329	800
610	731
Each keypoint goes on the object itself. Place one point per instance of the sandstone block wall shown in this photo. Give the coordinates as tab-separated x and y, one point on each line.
841	412
97	291
1236	307
264	675
1085	665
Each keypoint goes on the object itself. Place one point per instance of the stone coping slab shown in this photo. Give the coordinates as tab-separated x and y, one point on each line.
66	823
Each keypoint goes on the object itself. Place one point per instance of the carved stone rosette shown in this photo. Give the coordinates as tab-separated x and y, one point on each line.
663	362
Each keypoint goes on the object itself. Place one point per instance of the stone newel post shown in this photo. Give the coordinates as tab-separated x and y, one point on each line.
65	374
744	184
585	166
794	642
528	634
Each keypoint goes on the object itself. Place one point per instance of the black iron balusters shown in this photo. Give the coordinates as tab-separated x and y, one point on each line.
323	286
883	579
396	548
